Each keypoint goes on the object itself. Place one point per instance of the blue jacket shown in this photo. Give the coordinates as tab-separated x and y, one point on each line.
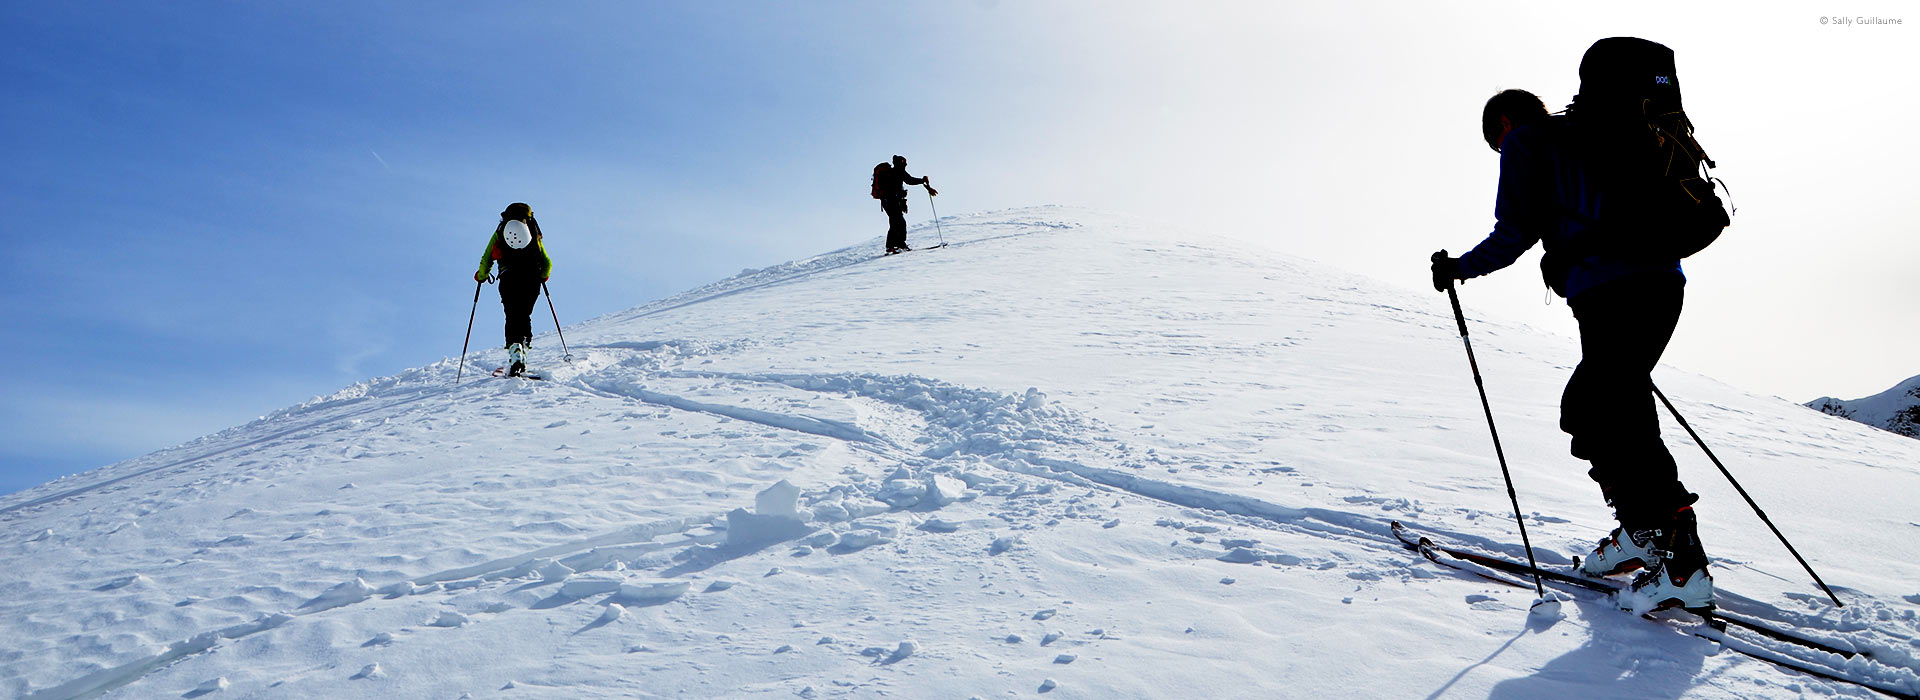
1546	195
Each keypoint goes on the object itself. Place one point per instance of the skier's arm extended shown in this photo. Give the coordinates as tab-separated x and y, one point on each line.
1517	224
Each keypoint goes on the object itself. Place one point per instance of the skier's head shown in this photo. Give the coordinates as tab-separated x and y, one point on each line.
1509	110
899	161
517	211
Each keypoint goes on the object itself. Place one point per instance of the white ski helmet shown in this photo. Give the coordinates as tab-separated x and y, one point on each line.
516	234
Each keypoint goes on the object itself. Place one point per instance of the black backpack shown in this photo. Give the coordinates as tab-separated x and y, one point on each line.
1657	193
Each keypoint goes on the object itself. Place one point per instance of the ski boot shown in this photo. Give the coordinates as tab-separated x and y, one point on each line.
1620	552
1678	576
517	360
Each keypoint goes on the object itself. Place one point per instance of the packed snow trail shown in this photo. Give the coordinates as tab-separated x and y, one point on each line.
1070	454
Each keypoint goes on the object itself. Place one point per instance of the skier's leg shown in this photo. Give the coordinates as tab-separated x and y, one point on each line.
896	228
517	299
1608	406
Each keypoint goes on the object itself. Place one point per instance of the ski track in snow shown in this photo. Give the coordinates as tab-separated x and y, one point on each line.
891	473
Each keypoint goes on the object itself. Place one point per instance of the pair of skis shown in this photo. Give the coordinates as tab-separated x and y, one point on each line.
502	372
909	250
1714	623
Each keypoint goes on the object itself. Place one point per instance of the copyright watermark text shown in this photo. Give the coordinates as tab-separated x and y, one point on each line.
1856	21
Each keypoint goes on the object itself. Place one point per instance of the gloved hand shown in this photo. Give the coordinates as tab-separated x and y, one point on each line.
1445	271
931	192
479	276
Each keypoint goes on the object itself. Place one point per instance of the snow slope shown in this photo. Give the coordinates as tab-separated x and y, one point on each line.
1071	455
1879	409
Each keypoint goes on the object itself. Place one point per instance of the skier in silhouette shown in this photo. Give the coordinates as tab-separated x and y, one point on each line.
890	186
1627	307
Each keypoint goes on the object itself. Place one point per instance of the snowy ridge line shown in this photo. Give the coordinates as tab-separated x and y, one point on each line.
751	280
254	442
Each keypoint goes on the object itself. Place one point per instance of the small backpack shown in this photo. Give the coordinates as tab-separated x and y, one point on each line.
1657	190
877	171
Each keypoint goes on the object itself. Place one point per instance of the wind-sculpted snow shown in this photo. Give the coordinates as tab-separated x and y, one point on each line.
1069	454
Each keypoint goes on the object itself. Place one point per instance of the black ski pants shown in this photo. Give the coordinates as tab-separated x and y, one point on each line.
1608	405
518	294
896	222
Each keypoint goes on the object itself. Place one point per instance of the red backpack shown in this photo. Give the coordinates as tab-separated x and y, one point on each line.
877	170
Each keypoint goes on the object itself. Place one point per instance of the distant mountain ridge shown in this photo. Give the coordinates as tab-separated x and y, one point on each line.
1896	409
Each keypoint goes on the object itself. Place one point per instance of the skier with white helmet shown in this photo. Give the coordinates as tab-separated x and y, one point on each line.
524	267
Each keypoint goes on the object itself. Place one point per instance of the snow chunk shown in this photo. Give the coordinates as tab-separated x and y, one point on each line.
943	490
369	672
938	525
123	582
1002	544
449	618
592	583
1034	400
346	593
550	570
746	529
862	539
652	592
831	513
900	653
213	686
1048	685
781	499
1241	555
902	493
1045	614
613	614
1065	658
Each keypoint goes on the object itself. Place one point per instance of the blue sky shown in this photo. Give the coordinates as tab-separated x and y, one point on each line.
221	209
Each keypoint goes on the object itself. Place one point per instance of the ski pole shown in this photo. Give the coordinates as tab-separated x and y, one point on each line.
469	338
567	355
1743	494
1461	319
936	220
